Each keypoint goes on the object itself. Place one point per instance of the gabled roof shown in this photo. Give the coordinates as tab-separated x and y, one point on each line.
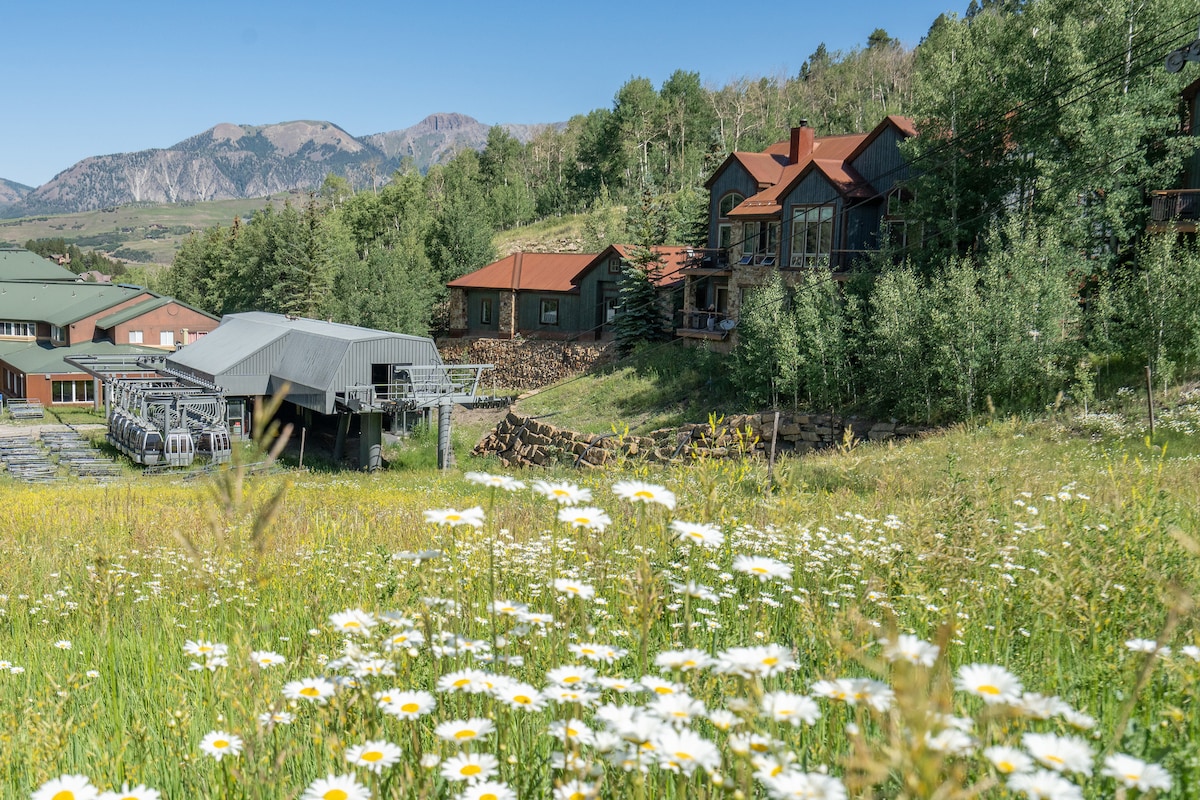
19	264
833	157
674	259
146	306
536	272
40	357
61	303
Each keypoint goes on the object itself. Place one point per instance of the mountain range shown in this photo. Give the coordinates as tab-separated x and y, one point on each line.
231	161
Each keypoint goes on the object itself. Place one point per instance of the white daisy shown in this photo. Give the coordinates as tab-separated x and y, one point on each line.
375	756
708	536
448	516
336	787
266	658
66	787
219	744
314	690
563	493
1136	774
410	705
1059	753
993	683
505	482
762	567
470	767
642	492
594	519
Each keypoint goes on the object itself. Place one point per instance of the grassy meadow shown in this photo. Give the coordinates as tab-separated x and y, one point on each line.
705	631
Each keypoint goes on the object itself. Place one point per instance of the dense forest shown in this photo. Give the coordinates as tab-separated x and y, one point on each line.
1043	125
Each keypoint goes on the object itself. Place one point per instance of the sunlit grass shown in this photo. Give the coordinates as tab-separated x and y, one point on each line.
1008	542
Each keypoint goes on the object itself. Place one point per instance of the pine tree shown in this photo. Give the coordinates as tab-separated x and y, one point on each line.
641	318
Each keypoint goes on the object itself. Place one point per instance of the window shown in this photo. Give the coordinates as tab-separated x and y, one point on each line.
614	265
728	203
135	337
485	311
760	240
57	333
72	391
724	235
166	338
812	235
18	329
549	312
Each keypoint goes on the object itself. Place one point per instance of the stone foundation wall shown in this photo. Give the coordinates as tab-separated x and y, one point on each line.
525	364
524	441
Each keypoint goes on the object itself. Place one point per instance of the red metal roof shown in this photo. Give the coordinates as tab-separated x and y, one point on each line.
537	272
674	260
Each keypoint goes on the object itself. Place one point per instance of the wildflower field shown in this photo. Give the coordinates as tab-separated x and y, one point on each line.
997	611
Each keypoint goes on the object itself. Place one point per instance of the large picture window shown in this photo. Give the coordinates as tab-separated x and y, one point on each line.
548	314
812	235
18	329
760	242
73	391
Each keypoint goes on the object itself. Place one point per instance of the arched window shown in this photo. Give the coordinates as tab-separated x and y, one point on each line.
728	203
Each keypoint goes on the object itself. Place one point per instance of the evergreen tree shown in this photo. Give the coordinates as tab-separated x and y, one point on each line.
640	317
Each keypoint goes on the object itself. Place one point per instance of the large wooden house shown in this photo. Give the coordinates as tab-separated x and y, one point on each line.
804	203
570	296
1178	208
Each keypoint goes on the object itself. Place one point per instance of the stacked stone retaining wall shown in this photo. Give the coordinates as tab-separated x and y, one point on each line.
526	441
526	363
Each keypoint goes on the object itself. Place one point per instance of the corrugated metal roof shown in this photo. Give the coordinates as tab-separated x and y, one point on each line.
19	264
132	312
256	353
43	358
537	272
61	303
674	259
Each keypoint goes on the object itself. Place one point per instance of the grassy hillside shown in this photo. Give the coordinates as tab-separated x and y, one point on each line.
1060	561
136	234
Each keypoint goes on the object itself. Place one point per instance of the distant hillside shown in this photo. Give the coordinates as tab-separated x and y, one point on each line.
439	136
12	193
229	162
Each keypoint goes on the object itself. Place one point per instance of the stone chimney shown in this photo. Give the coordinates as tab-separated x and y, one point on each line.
803	138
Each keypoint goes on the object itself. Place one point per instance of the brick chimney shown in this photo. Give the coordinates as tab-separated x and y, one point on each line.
803	138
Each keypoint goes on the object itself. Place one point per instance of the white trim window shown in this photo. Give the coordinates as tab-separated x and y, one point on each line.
812	235
166	338
24	329
548	311
135	337
72	391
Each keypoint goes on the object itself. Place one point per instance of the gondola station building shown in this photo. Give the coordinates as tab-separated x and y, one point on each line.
48	314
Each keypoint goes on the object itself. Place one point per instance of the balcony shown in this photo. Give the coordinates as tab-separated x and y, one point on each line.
1175	210
711	325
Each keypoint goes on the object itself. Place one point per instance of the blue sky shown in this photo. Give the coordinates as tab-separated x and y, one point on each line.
86	78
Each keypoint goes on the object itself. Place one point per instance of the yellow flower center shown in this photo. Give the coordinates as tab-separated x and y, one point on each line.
310	691
65	794
783	712
643	495
987	688
561	492
1132	776
683	756
759	570
372	756
571	679
664	690
335	794
471	769
577	796
410	708
465	733
352	624
220	744
523	699
587	651
489	796
1053	759
581	520
770	661
461	682
453	517
778	768
1005	767
758	747
201	649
